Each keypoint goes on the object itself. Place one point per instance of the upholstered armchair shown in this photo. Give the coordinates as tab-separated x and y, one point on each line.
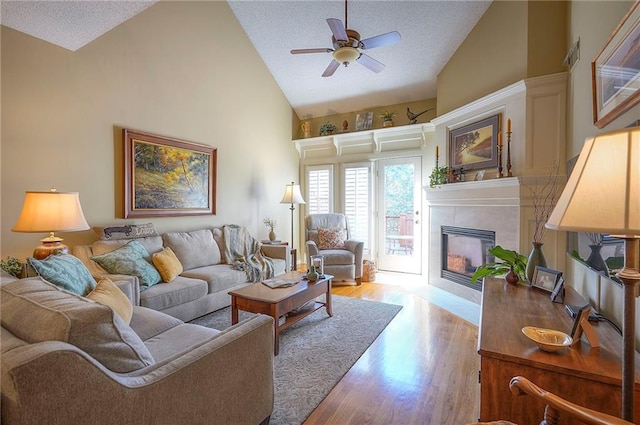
328	235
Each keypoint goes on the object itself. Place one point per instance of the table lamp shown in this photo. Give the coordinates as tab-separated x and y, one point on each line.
292	196
602	195
51	212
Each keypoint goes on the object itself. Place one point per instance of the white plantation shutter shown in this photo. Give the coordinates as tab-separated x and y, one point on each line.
357	201
319	189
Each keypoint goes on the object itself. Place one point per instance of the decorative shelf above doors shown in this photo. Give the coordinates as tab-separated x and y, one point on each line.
400	138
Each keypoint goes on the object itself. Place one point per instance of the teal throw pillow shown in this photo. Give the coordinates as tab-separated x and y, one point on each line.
130	260
65	271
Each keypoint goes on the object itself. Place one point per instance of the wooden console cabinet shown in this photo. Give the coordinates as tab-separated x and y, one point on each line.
587	376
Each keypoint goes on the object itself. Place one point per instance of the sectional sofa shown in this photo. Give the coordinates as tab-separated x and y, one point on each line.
206	274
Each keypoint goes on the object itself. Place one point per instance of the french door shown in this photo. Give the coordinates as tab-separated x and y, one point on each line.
399	221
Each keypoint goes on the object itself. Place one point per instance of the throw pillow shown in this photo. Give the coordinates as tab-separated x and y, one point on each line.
129	260
331	238
107	293
65	271
167	264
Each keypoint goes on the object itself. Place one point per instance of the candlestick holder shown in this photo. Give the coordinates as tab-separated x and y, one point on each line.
509	154
500	175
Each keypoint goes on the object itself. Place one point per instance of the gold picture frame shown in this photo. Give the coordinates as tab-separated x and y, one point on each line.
616	71
475	146
165	177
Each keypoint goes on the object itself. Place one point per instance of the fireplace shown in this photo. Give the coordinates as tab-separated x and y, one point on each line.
463	250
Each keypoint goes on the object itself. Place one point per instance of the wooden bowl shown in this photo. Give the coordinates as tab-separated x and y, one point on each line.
547	339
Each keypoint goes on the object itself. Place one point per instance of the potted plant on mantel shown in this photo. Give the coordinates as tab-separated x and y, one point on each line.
513	266
327	128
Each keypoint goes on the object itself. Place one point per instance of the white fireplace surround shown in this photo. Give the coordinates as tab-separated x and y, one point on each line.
536	108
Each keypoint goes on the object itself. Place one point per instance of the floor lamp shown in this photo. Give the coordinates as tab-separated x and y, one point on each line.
602	195
292	196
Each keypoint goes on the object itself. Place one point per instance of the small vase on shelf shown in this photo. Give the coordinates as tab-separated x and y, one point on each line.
536	258
272	235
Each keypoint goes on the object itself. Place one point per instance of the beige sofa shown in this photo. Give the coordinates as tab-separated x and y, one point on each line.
207	278
68	360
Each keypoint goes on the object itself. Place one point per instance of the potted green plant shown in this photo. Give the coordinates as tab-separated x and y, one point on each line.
13	266
513	266
387	118
327	128
439	175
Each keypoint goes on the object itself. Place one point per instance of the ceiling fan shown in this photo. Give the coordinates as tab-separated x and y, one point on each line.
347	46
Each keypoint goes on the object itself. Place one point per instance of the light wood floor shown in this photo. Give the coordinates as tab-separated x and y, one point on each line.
422	369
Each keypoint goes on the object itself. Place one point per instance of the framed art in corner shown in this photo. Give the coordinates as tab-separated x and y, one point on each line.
545	279
615	71
475	146
165	177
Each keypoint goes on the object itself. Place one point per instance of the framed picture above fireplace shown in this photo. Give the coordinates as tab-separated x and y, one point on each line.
475	146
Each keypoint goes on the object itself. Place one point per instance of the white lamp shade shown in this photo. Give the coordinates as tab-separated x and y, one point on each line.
292	195
51	212
603	191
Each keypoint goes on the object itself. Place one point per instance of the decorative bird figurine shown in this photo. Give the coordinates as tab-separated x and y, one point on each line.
413	118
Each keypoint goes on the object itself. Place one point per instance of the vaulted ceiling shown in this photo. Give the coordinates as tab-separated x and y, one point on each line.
431	31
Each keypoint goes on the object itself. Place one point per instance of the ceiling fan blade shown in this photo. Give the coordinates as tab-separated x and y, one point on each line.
331	69
381	40
337	28
320	50
369	62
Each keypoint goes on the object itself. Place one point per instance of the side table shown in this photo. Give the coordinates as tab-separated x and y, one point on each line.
294	252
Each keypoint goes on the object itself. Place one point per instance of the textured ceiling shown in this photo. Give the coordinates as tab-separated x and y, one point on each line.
68	24
431	32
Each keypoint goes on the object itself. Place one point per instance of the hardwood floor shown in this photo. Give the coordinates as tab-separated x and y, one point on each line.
422	369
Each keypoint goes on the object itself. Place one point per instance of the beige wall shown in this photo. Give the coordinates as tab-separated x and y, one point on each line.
62	113
512	41
592	23
399	119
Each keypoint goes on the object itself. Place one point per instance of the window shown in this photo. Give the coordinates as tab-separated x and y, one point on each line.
319	189
357	201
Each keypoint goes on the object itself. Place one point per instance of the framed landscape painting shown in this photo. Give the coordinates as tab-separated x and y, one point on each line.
616	71
167	177
475	146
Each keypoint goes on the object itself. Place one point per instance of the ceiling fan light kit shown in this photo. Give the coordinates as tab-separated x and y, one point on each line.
347	46
346	55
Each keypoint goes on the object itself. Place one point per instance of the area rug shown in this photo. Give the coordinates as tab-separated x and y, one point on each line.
316	352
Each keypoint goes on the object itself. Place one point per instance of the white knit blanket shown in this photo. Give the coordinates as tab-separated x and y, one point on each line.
243	252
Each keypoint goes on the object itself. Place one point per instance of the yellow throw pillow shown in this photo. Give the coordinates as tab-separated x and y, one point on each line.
107	293
167	264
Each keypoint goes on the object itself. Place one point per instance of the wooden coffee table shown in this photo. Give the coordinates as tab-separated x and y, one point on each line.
276	302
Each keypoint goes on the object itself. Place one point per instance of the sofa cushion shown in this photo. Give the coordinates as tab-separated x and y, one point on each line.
194	249
151	244
219	277
180	291
148	323
178	340
331	238
107	293
35	311
337	257
130	259
167	264
65	271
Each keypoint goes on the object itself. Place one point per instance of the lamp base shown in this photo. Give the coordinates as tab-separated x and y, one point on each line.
49	248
